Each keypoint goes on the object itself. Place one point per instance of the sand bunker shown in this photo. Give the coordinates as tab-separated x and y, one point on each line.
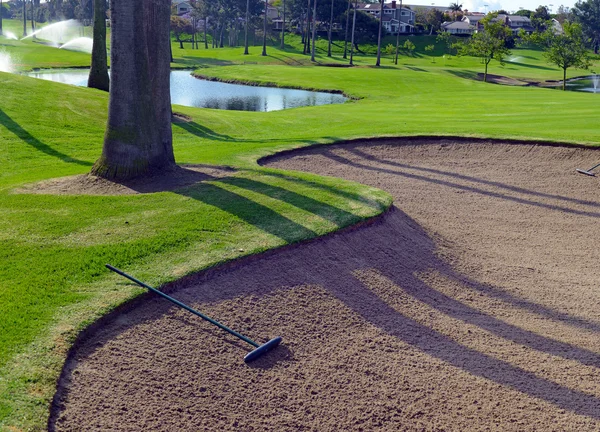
471	305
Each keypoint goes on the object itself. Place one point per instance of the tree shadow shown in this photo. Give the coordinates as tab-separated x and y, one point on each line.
463	74
203	132
21	133
397	172
531	66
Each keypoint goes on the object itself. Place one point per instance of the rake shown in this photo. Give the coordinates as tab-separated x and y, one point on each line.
252	355
589	172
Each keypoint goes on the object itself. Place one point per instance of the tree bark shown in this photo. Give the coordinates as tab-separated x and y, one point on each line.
378	62
205	39
307	38
33	18
98	78
314	30
24	18
353	28
264	51
283	28
138	139
398	35
1	9
564	79
347	25
329	35
246	30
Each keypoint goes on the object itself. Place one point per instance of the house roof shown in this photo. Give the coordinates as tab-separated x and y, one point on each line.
377	6
457	25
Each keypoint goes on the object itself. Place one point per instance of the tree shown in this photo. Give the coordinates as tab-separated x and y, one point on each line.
353	32
587	13
429	49
1	14
430	19
565	50
540	18
455	8
264	51
138	138
181	28
283	28
24	18
98	78
314	30
488	44
409	47
246	27
378	62
346	29
563	14
329	33
447	39
398	36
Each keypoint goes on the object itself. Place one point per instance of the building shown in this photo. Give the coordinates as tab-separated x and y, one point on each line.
395	19
182	7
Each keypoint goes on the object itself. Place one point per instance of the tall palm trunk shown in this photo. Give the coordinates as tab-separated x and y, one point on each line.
347	25
33	17
353	28
99	69
24	18
283	28
378	62
205	39
314	30
398	34
138	139
246	29
264	51
329	35
1	9
307	38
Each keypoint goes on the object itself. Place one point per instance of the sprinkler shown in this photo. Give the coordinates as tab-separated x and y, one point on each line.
588	172
252	355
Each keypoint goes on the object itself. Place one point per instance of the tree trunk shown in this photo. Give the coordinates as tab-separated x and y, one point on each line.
307	39
314	30
205	38
353	28
485	73
246	29
24	18
1	9
264	51
33	18
378	62
329	35
138	139
98	78
283	28
347	25
564	78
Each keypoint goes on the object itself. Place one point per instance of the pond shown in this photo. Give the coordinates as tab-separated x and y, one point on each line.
189	91
586	84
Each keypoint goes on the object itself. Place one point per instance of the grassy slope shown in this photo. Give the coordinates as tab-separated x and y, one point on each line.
54	247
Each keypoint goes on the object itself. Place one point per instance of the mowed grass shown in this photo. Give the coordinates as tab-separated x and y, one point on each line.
54	248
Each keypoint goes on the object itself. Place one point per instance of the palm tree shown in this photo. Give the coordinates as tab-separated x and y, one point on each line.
264	52
398	35
283	28
138	139
99	69
246	27
1	17
455	8
24	18
347	25
314	30
353	28
329	35
378	62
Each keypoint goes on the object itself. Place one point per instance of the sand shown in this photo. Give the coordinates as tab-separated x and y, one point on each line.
471	305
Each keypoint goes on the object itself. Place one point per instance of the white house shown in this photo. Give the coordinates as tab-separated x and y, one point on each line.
395	19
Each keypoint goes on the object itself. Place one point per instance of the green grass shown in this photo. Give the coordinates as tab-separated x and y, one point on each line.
53	248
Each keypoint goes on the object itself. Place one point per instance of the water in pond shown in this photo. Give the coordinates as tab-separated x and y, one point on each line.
189	91
589	84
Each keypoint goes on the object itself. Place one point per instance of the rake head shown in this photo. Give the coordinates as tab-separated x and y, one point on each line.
590	173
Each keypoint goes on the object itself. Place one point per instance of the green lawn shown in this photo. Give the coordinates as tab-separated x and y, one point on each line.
53	248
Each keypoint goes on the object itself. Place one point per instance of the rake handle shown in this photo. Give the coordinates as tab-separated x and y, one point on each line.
184	306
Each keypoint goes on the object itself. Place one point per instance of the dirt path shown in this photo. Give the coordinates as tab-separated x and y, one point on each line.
472	305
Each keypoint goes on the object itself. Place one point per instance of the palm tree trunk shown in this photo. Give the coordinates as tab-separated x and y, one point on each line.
264	51
138	139
283	28
353	28
307	38
24	18
347	25
246	27
564	78
378	62
1	9
33	17
314	30
205	38
98	78
330	25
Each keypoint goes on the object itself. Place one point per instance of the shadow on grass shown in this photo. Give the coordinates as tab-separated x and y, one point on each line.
202	131
463	74
530	65
21	133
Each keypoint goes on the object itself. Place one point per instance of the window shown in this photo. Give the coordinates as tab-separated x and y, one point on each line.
387	11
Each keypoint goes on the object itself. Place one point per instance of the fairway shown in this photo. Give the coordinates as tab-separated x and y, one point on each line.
469	305
54	245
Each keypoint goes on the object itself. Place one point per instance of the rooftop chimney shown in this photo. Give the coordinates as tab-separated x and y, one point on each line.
394	4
